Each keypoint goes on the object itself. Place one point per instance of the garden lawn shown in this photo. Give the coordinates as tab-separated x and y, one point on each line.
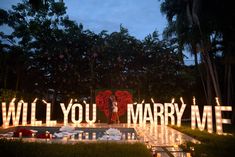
212	145
17	148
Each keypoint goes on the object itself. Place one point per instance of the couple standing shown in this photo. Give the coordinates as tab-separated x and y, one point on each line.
113	109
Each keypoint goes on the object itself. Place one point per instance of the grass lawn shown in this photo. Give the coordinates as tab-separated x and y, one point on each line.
212	145
18	148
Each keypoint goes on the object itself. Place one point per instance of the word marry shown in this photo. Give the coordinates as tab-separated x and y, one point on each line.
143	113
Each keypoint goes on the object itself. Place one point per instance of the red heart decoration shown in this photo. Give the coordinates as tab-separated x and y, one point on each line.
123	98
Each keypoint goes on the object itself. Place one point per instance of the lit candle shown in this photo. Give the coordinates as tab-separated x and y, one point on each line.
80	136
94	136
20	134
123	136
87	136
128	136
188	155
133	136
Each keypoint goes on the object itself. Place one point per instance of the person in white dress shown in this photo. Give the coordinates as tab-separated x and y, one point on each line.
115	110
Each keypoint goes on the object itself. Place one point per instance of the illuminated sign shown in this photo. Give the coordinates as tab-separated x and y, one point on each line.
153	113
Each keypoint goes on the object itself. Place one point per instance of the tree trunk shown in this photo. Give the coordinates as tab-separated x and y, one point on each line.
5	78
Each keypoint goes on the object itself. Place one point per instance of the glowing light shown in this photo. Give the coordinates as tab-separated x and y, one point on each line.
152	100
20	134
94	136
44	101
194	100
49	122
13	100
35	100
169	114
219	120
179	113
79	106
173	100
131	114
93	114
33	114
25	111
217	101
142	102
148	116
15	115
66	111
158	114
182	100
207	116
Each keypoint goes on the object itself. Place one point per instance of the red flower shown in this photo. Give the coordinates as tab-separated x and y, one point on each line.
43	135
25	133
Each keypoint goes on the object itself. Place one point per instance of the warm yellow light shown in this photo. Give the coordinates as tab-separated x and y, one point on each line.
152	100
13	100
44	101
217	101
194	100
182	100
142	101
35	100
173	100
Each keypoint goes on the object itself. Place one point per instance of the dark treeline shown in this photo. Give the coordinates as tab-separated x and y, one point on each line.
49	53
206	29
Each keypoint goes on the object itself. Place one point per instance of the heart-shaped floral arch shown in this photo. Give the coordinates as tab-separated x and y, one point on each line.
123	98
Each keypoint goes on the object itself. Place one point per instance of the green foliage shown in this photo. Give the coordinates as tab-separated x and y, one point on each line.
49	53
211	144
99	149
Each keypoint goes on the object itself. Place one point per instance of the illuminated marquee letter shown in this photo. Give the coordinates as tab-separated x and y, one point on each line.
158	114
88	115
207	116
33	114
49	122
148	114
169	114
179	113
11	113
79	106
24	115
66	111
219	120
131	114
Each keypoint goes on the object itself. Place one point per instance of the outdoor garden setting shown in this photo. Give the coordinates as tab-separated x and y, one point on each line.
117	78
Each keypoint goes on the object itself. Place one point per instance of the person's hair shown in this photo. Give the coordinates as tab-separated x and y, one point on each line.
113	97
